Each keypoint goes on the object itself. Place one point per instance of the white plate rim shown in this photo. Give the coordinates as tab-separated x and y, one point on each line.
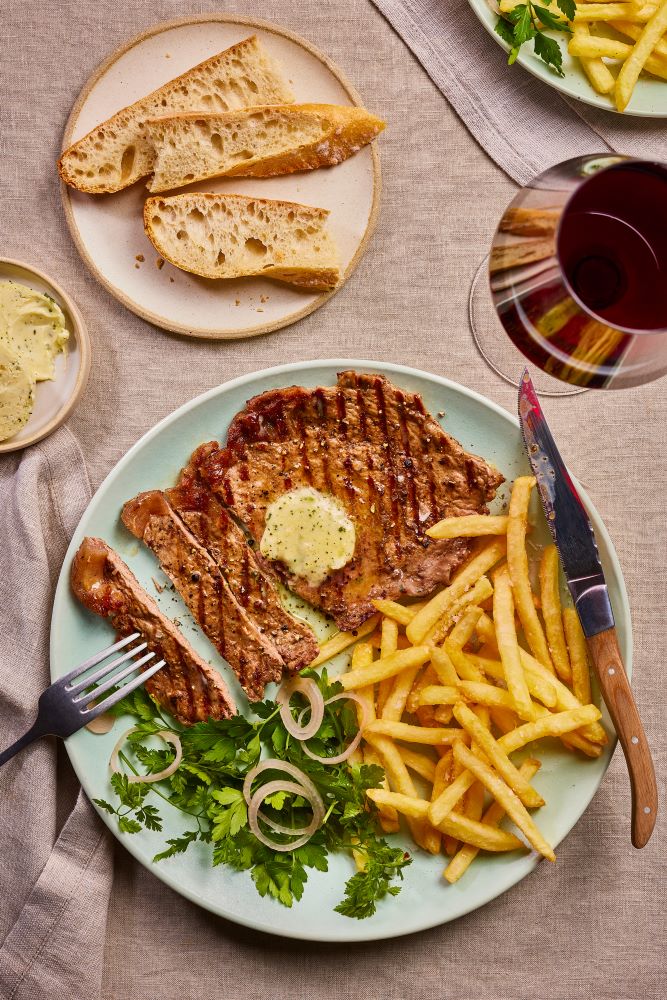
536	68
363	932
146	314
83	341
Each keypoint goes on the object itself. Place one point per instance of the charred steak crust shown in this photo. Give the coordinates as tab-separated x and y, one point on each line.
198	579
390	464
186	687
217	531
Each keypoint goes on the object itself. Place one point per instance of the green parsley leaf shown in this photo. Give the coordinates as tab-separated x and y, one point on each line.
177	845
550	21
568	7
127	825
549	51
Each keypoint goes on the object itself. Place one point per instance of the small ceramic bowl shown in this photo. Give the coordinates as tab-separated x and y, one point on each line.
54	401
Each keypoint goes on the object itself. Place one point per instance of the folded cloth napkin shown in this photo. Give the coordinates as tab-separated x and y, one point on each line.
524	125
55	870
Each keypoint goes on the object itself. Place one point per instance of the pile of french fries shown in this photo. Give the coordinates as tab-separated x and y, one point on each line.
630	34
453	693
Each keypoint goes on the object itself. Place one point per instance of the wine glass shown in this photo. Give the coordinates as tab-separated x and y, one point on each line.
578	278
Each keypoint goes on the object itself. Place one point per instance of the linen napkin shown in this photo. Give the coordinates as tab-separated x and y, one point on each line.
524	125
55	869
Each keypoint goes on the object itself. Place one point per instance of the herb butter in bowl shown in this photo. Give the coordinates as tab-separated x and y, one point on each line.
44	355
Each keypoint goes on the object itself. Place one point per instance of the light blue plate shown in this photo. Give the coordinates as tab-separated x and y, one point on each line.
649	99
568	782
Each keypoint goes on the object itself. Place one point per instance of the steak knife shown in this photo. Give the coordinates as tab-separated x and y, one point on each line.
573	534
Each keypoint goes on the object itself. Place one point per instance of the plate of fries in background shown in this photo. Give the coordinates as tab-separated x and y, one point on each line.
478	701
612	55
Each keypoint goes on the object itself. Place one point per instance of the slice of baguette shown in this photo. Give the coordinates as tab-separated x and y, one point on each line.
117	153
256	142
233	236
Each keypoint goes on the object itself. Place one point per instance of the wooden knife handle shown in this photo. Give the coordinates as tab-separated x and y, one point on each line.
623	710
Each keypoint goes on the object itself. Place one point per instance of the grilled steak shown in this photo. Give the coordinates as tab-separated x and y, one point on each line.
386	460
225	541
186	687
198	579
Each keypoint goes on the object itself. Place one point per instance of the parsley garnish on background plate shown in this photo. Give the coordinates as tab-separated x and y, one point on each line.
207	789
522	23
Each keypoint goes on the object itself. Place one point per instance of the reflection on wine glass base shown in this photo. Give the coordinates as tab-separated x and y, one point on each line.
496	347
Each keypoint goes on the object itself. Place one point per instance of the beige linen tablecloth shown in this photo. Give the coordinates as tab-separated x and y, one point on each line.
591	926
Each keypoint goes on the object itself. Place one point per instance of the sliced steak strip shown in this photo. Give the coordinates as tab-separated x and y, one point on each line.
225	541
388	462
197	577
187	687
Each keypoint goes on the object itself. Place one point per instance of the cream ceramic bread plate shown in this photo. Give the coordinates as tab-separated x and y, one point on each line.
649	99
53	399
108	229
567	782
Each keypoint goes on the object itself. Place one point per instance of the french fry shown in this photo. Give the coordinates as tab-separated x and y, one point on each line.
442	714
503	616
388	645
486	694
551	612
497	757
538	687
388	815
419	763
483	836
443	667
443	775
395	704
401	613
481	591
503	794
464	628
564	698
427	676
611	12
504	719
465	668
517	565
414	734
464	578
437	694
332	647
574	740
399	778
362	656
634	31
468	526
381	669
442	806
596	70
492	817
576	643
549	725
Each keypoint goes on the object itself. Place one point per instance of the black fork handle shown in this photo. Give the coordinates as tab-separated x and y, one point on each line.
34	733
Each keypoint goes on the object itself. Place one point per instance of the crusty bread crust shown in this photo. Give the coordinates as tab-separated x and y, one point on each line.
116	153
233	236
261	141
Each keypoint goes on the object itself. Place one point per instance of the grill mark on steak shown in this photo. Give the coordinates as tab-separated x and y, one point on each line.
197	577
186	687
216	530
382	448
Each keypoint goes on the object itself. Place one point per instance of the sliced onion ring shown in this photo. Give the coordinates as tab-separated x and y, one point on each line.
140	779
308	791
271	788
349	750
309	689
274	764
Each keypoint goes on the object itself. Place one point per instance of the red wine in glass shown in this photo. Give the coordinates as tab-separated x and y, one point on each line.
578	271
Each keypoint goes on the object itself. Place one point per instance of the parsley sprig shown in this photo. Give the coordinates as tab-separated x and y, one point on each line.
522	23
207	789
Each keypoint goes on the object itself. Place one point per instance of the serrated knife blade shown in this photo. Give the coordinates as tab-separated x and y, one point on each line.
575	540
566	516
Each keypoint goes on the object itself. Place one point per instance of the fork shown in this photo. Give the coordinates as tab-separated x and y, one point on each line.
65	706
